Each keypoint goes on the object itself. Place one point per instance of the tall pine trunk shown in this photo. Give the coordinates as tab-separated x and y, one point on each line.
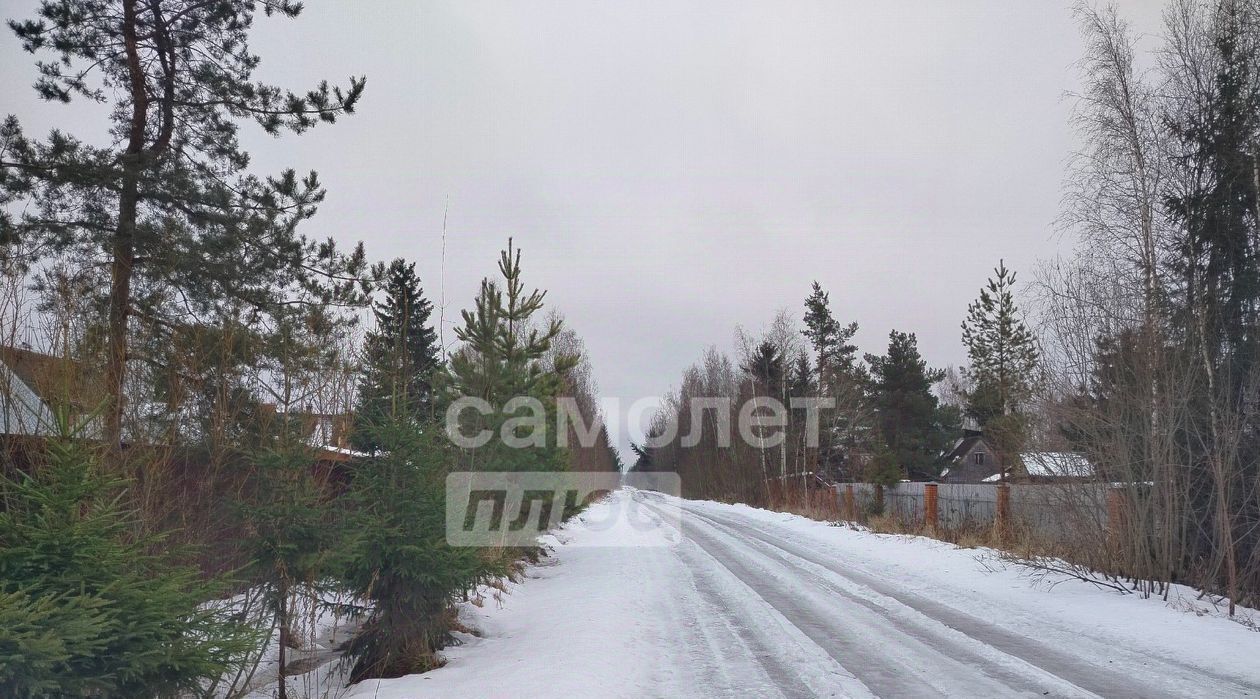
124	244
124	253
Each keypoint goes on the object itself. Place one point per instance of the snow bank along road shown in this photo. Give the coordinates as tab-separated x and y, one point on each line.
756	603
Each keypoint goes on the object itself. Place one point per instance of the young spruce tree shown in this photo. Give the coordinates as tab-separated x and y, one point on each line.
90	605
396	557
290	534
400	357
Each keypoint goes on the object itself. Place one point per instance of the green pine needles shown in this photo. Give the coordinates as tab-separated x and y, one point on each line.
1001	349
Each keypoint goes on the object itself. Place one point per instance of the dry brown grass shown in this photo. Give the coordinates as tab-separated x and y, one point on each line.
1018	541
815	503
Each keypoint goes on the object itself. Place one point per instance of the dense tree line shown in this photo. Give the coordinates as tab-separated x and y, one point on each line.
877	417
1151	329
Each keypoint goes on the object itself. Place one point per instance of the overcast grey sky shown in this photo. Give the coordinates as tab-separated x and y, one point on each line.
672	169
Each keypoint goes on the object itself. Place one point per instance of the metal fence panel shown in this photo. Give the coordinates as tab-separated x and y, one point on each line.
905	502
964	505
1052	510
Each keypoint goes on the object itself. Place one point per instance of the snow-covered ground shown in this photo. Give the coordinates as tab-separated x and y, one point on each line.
314	670
757	603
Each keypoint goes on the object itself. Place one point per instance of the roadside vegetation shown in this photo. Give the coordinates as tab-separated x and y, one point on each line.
238	427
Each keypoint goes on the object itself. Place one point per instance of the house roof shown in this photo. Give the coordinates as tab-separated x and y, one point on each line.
319	429
56	380
962	446
1056	464
21	410
1052	464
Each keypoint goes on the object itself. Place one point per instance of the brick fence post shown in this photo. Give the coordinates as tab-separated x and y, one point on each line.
850	503
1003	517
929	506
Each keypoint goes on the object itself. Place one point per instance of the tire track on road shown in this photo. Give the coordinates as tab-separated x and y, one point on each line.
1072	669
888	661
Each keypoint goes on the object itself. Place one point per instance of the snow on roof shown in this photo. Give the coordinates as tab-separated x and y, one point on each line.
345	451
1056	464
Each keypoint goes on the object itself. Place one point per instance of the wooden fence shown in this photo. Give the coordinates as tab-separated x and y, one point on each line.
1057	511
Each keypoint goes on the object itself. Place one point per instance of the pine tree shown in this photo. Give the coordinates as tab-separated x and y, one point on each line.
913	427
832	343
840	378
400	356
168	208
502	358
207	387
1001	349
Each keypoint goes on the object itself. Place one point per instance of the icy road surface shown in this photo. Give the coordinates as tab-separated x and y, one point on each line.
754	603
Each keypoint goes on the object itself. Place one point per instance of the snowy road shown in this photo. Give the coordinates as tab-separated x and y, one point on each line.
755	603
